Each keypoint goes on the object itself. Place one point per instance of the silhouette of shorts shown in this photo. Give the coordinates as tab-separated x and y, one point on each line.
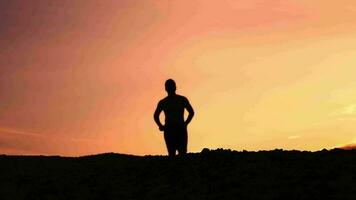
176	138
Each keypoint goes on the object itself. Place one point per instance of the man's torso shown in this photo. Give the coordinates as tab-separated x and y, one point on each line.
173	108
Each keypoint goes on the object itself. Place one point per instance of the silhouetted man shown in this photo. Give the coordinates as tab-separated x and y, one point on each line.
175	128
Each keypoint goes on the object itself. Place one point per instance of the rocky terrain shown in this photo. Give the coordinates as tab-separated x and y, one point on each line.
211	174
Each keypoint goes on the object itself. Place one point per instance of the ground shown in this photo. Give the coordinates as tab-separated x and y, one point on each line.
211	174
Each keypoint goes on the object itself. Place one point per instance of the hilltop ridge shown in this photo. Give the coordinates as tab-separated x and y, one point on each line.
210	174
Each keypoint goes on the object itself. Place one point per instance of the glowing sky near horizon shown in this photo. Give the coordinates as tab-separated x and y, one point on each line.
84	77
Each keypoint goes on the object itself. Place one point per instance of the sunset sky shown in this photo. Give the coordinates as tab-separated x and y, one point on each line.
84	77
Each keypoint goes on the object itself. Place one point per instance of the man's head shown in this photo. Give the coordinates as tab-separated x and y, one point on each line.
170	86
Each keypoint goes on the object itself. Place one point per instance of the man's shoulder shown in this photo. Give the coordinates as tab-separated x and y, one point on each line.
164	100
181	97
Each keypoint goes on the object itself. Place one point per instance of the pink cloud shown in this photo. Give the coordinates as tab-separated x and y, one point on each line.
14	141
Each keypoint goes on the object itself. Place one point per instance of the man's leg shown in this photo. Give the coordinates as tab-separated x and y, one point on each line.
182	142
170	144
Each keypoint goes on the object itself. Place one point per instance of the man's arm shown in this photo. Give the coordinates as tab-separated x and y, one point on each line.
190	111
156	116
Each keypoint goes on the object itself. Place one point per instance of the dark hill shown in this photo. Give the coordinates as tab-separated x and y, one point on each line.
218	174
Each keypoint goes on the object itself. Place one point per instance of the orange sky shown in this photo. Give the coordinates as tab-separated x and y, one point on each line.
84	77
